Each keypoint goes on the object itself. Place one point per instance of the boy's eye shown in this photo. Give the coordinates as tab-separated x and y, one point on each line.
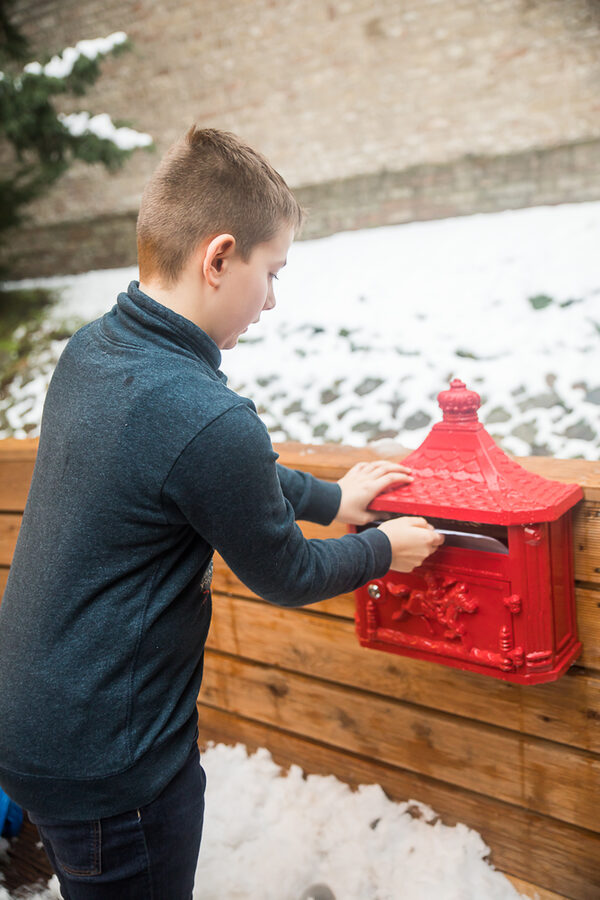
273	275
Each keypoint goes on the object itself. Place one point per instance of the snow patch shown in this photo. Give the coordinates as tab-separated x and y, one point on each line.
61	66
103	127
270	836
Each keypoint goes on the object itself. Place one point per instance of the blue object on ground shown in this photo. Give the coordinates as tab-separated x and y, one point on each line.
11	816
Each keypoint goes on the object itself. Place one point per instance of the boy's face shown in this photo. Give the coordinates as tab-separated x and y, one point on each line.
247	288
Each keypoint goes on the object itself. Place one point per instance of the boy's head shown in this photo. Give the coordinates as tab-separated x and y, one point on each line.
209	183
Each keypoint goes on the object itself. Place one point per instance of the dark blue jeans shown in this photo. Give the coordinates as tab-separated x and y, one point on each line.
146	854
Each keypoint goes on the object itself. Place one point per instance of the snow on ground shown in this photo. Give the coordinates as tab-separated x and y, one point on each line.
268	837
371	325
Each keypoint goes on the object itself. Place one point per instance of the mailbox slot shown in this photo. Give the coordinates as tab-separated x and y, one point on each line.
475	536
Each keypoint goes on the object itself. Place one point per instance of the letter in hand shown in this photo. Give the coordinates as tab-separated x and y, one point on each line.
362	483
413	539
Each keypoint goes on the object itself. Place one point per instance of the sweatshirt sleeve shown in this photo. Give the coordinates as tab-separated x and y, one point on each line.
312	498
226	485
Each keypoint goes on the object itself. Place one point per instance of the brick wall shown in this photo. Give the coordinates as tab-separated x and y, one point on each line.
377	111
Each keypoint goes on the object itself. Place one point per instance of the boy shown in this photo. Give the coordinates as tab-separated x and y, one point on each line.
147	462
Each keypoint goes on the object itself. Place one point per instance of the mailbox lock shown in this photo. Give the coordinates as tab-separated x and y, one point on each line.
374	591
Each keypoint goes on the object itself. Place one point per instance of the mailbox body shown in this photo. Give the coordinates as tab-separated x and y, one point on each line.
507	610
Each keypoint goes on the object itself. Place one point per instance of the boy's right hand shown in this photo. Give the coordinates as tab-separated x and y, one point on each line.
413	539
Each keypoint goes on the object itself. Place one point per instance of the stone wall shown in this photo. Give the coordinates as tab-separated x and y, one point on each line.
376	111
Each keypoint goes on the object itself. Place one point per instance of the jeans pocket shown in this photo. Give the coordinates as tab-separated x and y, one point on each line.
77	846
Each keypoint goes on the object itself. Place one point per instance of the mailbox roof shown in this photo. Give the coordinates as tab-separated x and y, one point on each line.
460	473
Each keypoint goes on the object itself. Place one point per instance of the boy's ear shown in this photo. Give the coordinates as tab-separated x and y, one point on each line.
219	251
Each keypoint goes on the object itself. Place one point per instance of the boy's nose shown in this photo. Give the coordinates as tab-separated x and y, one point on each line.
270	301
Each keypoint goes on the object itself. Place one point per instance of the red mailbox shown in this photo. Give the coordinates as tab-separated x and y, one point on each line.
498	597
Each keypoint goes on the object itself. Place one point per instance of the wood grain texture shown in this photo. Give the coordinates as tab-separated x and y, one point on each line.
331	461
557	856
542	776
588	625
587	605
586	542
9	531
526	889
3	579
566	711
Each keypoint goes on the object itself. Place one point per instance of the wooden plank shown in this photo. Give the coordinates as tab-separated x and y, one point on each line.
3	579
587	600
571	471
588	626
16	469
557	856
331	461
586	541
545	777
226	582
24	448
566	711
9	531
17	459
526	889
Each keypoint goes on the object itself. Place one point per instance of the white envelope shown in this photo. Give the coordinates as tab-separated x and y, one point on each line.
472	541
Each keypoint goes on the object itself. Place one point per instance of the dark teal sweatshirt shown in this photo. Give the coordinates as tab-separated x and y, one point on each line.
146	463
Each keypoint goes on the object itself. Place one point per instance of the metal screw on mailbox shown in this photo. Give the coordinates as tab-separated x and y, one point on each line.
374	591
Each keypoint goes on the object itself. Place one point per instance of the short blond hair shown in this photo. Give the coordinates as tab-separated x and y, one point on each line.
209	182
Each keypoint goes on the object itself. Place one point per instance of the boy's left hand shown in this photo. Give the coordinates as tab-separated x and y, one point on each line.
361	484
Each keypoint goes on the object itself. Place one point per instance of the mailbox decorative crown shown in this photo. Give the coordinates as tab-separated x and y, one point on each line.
497	598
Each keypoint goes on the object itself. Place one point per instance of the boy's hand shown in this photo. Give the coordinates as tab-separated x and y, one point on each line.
362	483
413	539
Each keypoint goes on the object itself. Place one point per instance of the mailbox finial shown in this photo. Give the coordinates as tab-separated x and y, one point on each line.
459	404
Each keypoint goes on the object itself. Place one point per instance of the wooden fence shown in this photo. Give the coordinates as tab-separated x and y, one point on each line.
521	764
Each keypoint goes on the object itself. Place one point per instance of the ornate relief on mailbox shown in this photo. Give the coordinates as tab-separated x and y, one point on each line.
497	598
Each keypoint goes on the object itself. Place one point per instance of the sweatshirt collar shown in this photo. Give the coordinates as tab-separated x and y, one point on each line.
167	325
